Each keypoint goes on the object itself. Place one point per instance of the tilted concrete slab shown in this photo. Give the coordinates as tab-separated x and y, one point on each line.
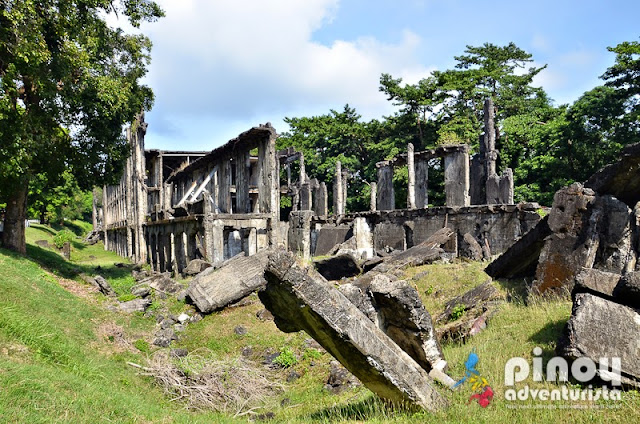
238	277
301	299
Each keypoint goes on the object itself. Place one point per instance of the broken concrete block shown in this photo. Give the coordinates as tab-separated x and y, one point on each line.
521	259
476	298
104	286
574	241
470	248
196	266
135	305
620	179
596	281
599	328
338	267
475	308
163	283
402	317
300	299
213	289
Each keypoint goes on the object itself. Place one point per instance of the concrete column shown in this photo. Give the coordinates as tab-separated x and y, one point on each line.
303	171
305	197
242	182
490	136
385	194
269	190
320	206
373	196
106	214
345	180
456	178
422	184
94	211
411	193
338	187
224	187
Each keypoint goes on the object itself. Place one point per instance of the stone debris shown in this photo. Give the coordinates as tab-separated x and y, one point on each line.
141	290
395	307
196	266
135	305
300	299
467	315
338	267
104	286
214	289
340	379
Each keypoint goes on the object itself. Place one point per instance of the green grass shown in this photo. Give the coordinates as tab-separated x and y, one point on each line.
57	366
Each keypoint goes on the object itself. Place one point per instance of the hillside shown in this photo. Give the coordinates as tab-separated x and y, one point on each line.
64	352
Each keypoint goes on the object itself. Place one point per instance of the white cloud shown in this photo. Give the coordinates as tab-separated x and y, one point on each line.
218	65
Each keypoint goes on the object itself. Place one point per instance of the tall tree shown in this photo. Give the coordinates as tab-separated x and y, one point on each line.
68	83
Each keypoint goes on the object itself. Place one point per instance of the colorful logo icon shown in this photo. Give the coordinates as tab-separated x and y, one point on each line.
482	392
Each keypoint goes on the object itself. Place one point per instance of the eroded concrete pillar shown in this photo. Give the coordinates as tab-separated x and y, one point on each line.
422	184
320	200
305	197
385	194
373	196
456	178
242	182
411	168
338	187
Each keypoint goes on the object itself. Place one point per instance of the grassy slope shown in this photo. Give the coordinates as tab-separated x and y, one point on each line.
56	368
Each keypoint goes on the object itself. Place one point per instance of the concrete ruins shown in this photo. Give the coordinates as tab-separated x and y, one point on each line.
588	245
171	207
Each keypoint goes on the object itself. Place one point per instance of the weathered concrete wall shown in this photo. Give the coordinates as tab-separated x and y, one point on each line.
495	226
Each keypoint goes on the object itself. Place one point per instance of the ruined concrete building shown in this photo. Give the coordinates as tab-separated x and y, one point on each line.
174	206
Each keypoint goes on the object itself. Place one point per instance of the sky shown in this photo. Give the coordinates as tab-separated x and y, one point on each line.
221	67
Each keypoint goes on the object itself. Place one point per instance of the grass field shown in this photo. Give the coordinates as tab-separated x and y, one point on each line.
63	354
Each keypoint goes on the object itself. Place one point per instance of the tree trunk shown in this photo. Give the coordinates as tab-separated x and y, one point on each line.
94	211
13	236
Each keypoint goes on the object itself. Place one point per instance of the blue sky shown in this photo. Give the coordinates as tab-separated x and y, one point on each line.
221	67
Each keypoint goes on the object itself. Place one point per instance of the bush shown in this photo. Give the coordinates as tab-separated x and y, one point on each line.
286	358
63	237
457	312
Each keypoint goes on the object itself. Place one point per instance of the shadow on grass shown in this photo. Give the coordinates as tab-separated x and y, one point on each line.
56	264
365	410
517	289
44	228
71	226
549	335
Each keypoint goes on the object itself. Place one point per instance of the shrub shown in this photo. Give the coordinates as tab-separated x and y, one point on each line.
63	237
286	358
126	297
311	354
457	312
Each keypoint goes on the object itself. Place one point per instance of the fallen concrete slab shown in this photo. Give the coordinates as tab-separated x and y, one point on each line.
300	299
600	328
214	289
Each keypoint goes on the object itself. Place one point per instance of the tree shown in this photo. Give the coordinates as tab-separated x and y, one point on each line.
68	83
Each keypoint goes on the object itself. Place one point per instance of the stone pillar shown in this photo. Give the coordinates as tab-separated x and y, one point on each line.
456	178
411	192
224	187
385	194
364	238
242	182
422	183
506	187
320	200
338	186
373	196
303	172
345	180
269	190
305	197
94	211
490	136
